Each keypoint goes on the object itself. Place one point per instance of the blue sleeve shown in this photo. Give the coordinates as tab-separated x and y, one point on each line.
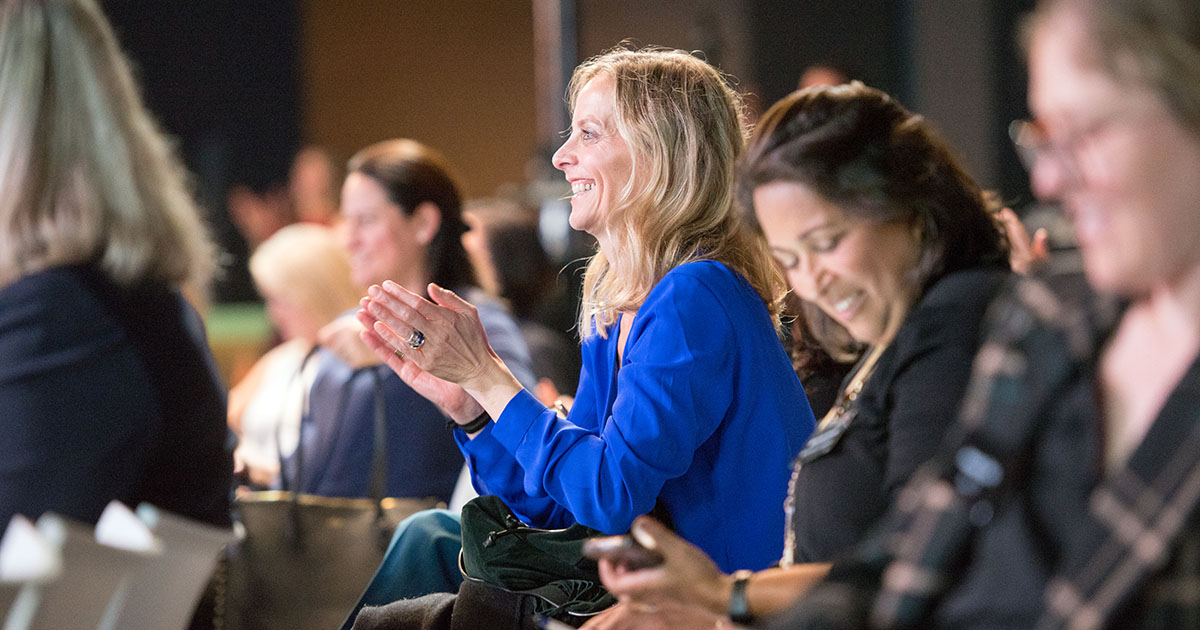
494	470
673	390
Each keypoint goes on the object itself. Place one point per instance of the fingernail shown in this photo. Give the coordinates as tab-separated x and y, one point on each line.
373	291
390	286
643	537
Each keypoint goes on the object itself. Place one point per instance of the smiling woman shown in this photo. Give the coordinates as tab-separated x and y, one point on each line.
1082	412
879	227
686	402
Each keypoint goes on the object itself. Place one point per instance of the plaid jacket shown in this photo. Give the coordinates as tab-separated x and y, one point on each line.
1133	561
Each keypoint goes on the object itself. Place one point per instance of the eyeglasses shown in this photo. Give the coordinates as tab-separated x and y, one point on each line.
1033	142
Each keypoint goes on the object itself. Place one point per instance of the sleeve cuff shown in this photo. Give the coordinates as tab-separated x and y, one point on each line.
518	416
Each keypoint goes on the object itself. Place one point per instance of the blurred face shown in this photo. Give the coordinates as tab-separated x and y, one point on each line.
382	241
595	159
474	241
858	272
1125	171
291	318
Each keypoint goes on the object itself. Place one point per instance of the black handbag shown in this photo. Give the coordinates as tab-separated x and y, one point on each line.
305	559
544	570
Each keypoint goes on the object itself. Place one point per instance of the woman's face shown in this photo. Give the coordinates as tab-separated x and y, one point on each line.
857	271
288	313
596	160
382	241
1126	172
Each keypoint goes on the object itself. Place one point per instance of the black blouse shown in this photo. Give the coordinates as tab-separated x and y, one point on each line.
903	410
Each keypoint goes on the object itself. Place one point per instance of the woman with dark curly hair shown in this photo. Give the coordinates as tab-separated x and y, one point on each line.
884	236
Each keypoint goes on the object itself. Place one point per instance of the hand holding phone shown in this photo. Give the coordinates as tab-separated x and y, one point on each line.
622	550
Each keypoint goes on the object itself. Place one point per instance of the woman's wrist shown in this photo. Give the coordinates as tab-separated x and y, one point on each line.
739	601
716	598
492	391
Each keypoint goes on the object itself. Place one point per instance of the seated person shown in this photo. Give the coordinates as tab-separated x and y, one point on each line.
686	399
508	257
303	275
403	221
107	386
1068	499
883	232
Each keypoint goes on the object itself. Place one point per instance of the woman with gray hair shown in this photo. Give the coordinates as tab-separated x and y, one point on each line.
107	387
1069	498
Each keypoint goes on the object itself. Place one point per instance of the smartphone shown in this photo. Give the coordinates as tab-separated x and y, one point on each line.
622	550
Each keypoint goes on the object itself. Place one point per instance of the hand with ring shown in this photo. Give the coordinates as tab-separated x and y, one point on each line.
433	345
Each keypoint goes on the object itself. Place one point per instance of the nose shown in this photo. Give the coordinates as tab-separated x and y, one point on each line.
564	156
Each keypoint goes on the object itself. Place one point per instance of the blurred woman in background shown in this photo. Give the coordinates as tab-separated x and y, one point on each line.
402	213
107	386
303	275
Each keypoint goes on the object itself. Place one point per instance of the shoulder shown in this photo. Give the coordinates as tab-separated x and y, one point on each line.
45	282
954	307
703	282
53	299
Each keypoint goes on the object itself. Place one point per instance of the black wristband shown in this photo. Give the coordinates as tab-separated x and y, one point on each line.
474	426
739	607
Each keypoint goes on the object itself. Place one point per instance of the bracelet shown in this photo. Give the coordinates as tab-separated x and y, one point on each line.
739	606
474	426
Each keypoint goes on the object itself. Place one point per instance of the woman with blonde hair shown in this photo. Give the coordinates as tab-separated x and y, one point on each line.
107	385
303	274
686	399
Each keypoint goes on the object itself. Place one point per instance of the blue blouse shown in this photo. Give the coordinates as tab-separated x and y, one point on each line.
704	414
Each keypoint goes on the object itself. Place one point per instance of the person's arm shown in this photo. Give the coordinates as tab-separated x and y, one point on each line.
688	576
673	390
496	471
457	346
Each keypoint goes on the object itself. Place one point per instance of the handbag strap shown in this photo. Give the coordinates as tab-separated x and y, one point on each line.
377	481
377	489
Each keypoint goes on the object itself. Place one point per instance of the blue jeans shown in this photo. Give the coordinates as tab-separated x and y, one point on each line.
422	558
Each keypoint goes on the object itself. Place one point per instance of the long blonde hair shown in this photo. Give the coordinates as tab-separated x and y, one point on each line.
685	127
86	174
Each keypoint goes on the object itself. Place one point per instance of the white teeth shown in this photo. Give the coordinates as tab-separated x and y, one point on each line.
580	188
846	303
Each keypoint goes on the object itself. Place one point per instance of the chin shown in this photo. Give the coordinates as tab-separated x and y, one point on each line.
1105	277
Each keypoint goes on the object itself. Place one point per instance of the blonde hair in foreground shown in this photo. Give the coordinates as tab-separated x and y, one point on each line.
85	172
685	128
